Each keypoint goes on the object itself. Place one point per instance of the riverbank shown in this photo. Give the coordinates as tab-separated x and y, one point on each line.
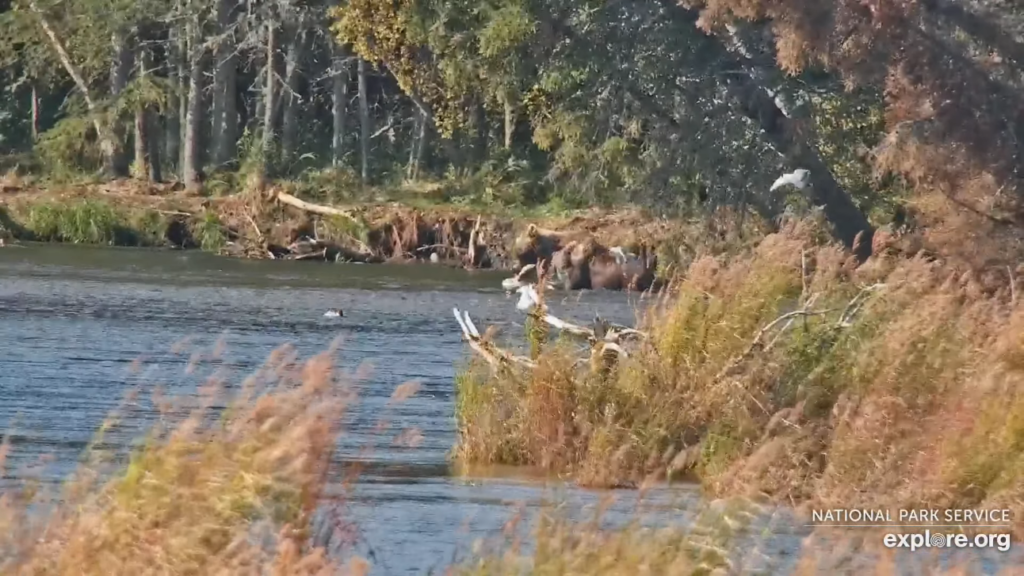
790	373
280	225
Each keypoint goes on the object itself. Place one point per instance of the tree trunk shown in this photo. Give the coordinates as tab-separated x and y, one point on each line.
120	71
451	152
364	123
156	173
339	99
142	157
421	142
35	113
480	122
225	112
419	134
268	100
172	128
268	104
192	147
410	167
290	99
259	105
510	118
242	108
147	149
176	101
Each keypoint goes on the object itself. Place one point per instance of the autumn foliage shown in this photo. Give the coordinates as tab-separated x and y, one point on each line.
953	107
789	372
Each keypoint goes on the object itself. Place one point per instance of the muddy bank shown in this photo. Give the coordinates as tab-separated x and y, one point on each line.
280	226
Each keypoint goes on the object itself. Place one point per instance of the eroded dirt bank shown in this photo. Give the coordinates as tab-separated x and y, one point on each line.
265	226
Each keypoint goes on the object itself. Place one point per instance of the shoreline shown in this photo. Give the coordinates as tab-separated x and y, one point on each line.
256	226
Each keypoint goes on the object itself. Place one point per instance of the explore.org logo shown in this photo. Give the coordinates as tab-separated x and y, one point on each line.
959	528
929	539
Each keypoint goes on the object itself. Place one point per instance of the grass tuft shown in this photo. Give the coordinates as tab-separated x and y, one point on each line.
209	232
83	222
208	492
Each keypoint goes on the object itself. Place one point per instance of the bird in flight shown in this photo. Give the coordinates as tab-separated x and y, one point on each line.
799	178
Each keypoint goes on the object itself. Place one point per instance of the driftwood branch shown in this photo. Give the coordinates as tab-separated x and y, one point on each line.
758	339
530	301
844	321
259	235
807	303
320	254
310	207
322	210
494	355
856	304
604	338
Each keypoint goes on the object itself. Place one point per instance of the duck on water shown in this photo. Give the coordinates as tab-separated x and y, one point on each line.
334	313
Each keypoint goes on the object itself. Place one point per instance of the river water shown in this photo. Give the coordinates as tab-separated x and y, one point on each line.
73	319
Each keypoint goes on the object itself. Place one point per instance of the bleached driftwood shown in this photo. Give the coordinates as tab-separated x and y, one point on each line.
499	358
605	339
530	301
310	207
490	352
856	304
318	255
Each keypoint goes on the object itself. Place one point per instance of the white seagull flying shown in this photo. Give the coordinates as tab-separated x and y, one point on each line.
798	178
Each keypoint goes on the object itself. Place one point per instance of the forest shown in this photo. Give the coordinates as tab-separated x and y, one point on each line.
895	108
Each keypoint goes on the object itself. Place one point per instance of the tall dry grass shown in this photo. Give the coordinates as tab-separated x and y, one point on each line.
787	371
234	481
562	545
720	541
231	486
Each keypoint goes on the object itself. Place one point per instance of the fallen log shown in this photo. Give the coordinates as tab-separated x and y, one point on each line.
310	207
321	254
